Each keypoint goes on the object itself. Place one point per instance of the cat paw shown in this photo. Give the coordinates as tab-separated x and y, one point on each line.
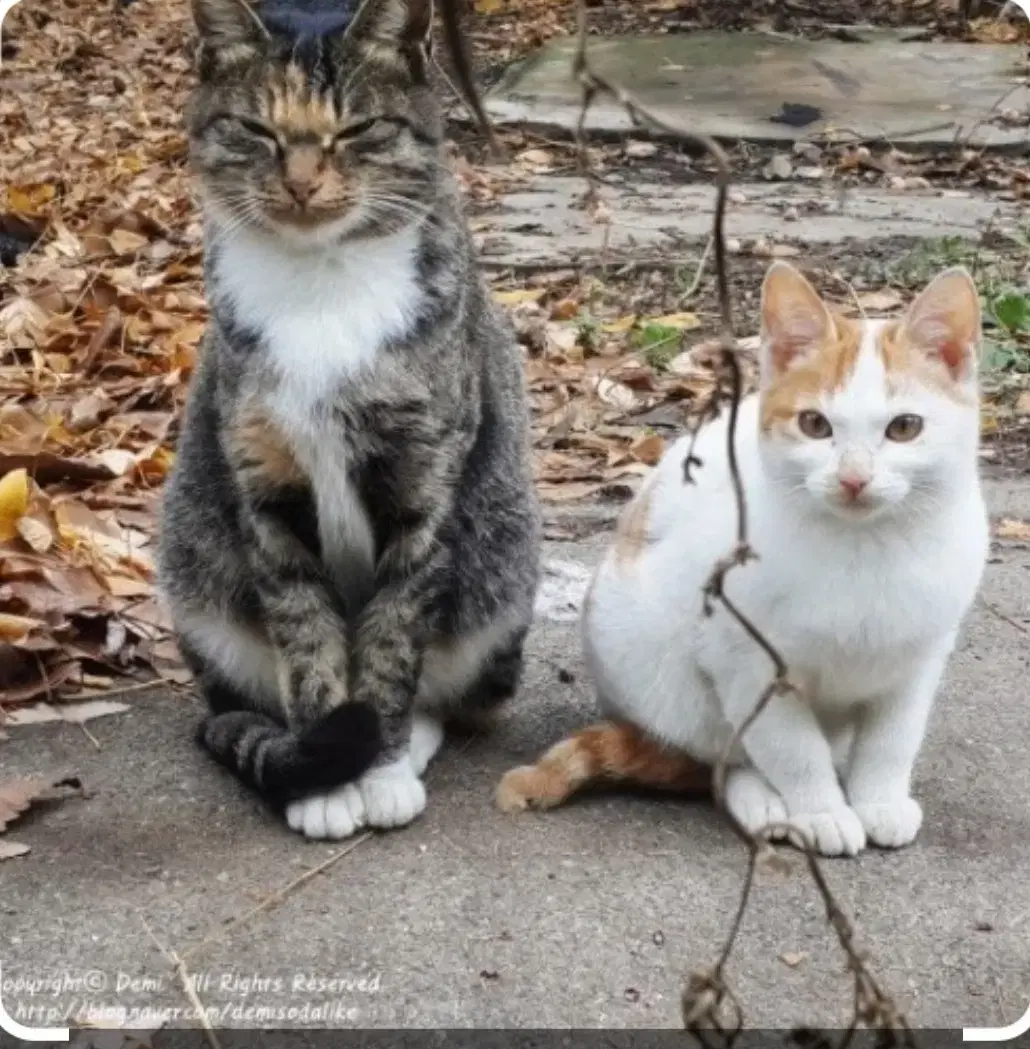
834	832
891	824
752	801
426	739
393	794
335	815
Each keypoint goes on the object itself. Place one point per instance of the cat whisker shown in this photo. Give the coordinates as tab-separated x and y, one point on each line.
398	205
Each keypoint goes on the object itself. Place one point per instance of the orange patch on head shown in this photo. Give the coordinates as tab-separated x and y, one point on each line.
823	369
905	362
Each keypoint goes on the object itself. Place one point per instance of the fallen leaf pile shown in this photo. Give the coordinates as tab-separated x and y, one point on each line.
509	28
101	310
607	391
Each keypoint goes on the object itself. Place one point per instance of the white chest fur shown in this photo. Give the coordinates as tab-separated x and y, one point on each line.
323	314
322	317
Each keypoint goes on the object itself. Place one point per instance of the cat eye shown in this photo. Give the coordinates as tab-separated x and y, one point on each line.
815	425
254	127
904	428
371	131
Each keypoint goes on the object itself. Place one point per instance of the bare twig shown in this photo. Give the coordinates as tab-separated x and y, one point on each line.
455	40
188	985
699	273
966	141
831	138
1004	616
279	896
711	1011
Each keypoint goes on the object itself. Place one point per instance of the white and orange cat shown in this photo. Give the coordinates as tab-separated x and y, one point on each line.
859	458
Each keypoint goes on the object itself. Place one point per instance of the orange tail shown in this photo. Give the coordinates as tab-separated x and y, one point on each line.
608	752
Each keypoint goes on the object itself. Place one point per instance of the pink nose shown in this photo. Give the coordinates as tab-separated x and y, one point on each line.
852	485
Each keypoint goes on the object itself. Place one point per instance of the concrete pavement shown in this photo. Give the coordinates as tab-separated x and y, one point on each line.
588	916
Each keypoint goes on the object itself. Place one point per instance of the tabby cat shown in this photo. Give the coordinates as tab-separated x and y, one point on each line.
859	457
350	540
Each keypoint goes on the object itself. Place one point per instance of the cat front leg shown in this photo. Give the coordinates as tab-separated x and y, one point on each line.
888	737
389	645
791	755
279	522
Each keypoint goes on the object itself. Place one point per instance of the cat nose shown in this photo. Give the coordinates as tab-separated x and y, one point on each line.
852	484
302	173
301	190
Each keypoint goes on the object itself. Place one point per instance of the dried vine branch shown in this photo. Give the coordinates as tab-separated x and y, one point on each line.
455	41
709	1006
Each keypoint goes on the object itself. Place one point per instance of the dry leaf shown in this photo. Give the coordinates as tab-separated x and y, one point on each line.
14	629
616	394
681	321
37	533
519	296
10	849
76	713
18	795
537	158
564	310
1009	528
623	324
14	501
648	448
30	199
125	242
879	301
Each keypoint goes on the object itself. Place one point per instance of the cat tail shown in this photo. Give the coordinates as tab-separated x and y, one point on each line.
283	765
606	753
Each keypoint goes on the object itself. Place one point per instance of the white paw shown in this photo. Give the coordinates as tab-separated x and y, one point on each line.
752	801
335	815
833	832
393	794
891	824
426	738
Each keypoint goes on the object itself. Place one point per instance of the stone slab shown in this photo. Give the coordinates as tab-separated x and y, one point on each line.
544	222
728	85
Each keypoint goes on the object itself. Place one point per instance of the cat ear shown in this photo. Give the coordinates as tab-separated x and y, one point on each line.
403	22
944	321
226	24
794	319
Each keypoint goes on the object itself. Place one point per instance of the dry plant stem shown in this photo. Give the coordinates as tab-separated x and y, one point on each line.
1004	616
277	897
707	995
833	139
188	985
699	273
455	40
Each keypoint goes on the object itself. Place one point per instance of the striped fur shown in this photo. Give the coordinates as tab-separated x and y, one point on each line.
349	531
